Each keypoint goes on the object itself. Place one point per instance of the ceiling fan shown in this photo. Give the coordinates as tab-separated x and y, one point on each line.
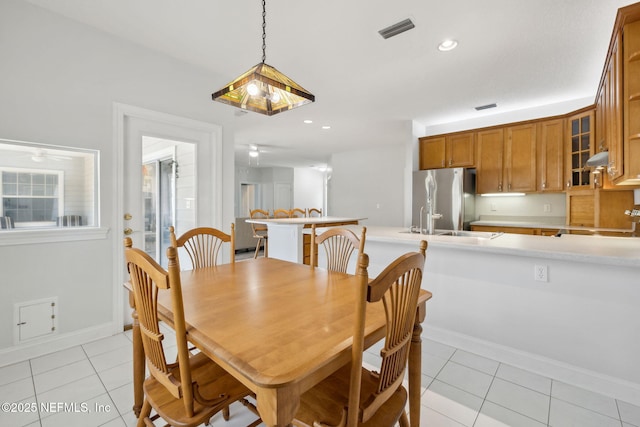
41	155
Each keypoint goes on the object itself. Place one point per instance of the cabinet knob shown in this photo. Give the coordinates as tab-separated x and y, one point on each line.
450	162
544	185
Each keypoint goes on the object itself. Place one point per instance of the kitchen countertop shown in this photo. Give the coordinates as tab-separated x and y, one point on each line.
304	221
545	223
620	251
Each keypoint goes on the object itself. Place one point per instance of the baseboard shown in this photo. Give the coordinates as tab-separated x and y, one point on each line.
21	352
590	380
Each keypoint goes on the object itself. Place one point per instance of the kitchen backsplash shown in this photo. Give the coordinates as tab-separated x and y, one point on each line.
551	206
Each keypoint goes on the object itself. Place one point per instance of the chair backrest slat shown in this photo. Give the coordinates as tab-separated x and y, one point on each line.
258	229
203	245
282	213
339	245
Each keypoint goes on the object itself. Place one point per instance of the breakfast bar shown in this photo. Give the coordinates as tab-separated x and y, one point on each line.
286	238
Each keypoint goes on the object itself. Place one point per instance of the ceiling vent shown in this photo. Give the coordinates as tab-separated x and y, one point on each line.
485	107
396	29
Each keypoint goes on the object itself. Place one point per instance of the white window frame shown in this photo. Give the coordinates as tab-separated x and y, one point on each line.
60	195
49	232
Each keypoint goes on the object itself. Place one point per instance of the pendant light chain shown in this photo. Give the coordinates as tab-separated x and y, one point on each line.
264	31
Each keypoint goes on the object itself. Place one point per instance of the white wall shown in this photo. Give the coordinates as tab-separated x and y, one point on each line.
308	188
369	184
58	83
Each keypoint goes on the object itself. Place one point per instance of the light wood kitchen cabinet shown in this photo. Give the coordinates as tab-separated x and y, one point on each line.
490	148
599	208
631	105
579	149
447	151
499	229
608	115
520	158
506	160
550	150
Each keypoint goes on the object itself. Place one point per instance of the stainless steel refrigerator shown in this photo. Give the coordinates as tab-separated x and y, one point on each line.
454	195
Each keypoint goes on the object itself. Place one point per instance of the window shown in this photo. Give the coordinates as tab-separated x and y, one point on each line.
30	197
43	186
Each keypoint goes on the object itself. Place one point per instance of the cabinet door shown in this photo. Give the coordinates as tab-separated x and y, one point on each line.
432	152
551	155
520	158
581	208
461	150
613	113
490	145
580	135
631	99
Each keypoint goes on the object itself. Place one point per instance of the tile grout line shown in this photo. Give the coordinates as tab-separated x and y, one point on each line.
484	399
105	387
35	393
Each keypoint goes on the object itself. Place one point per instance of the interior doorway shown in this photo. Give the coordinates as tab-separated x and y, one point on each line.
197	187
168	190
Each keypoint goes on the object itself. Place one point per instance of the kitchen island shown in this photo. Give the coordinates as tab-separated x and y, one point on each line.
286	240
577	323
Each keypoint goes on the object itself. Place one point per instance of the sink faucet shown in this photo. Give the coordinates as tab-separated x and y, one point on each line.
431	218
431	187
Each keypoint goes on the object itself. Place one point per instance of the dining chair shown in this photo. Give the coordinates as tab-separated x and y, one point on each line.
339	244
282	213
260	230
189	392
297	213
314	212
203	245
353	395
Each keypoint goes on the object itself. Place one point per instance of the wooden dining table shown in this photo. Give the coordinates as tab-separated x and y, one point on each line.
278	327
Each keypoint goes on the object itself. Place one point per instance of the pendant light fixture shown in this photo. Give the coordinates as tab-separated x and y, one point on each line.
264	89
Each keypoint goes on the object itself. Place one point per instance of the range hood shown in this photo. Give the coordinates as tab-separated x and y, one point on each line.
599	159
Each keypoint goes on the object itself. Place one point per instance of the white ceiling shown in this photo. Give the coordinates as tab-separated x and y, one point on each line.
516	53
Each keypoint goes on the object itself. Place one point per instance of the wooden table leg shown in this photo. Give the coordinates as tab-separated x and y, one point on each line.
138	360
277	406
415	368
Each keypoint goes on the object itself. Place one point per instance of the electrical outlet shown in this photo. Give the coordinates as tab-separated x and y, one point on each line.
540	273
547	207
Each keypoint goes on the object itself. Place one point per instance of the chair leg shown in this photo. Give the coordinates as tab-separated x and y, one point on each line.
144	413
257	249
404	421
225	413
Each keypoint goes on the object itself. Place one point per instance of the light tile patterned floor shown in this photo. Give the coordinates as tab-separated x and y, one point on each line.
93	381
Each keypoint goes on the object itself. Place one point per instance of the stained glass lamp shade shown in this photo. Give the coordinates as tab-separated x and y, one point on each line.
265	90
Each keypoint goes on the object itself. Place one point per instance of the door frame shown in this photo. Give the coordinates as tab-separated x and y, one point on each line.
211	204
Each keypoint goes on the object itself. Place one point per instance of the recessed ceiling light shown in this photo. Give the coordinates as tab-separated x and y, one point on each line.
447	45
308	121
326	127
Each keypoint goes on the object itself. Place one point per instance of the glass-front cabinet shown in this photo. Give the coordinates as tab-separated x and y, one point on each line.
579	150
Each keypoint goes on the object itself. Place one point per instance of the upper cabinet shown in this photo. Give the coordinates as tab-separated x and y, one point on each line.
447	151
520	158
579	149
506	159
550	151
631	104
618	102
490	147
